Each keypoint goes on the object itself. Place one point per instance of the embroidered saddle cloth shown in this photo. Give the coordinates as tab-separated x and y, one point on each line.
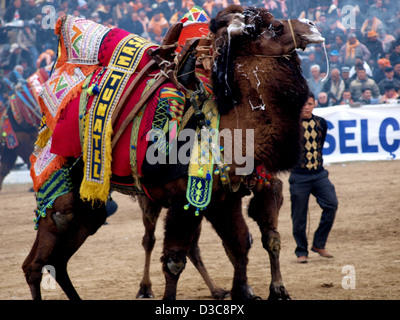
77	122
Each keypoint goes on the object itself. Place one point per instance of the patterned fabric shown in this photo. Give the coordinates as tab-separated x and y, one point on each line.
195	24
314	135
311	144
195	15
44	163
55	91
57	185
97	145
82	40
7	131
202	159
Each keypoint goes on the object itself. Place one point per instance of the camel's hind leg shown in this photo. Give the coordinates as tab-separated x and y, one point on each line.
264	209
7	161
195	257
180	228
150	213
60	234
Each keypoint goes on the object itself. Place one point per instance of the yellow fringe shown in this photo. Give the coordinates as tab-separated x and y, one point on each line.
92	191
43	137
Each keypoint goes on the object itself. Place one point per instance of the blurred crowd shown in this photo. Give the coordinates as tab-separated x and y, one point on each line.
362	38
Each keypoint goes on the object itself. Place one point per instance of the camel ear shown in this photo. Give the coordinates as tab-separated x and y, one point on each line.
213	26
257	20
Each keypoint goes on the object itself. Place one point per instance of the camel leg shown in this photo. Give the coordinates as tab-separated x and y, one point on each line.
7	161
151	212
195	257
264	209
226	218
180	227
59	236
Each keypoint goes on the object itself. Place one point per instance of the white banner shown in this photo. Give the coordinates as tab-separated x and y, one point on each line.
366	133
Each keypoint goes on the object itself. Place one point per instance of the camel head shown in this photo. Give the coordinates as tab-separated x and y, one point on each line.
254	34
259	32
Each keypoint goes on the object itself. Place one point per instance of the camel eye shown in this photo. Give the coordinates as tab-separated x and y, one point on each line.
277	28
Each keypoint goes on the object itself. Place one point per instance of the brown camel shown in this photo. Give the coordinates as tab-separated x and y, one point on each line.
258	84
24	118
25	134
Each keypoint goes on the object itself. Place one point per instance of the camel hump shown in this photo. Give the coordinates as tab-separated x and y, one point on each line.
80	39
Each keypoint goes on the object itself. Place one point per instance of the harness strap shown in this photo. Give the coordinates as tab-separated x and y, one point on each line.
137	107
129	90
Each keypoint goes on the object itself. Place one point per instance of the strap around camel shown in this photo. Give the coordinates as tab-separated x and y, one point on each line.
97	145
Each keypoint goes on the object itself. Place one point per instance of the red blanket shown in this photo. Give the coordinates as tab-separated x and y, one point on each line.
66	140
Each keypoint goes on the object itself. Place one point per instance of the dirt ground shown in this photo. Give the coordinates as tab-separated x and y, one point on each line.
365	236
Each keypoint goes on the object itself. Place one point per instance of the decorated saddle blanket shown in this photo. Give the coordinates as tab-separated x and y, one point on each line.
78	101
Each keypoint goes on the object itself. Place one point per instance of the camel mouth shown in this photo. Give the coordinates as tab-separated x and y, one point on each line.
314	36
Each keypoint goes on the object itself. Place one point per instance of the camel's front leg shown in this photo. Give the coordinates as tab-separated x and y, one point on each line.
264	209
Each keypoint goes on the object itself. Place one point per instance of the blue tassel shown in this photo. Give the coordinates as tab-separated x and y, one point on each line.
208	176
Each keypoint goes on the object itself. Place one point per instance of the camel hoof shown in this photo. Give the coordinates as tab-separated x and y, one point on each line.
245	294
278	293
220	294
145	293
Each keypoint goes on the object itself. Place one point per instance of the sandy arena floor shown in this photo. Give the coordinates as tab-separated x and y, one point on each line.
365	236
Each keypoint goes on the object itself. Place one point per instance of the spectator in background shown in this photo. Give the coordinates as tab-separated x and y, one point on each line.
26	39
352	49
331	35
14	12
386	39
396	67
372	24
143	19
334	60
346	77
315	83
390	96
17	55
307	63
346	97
379	72
323	100
360	63
45	59
337	44
16	76
389	79
132	24
375	48
136	5
334	86
121	11
361	81
218	6
395	55
208	6
157	27
366	97
30	10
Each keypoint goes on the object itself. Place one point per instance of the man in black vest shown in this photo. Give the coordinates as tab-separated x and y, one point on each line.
310	177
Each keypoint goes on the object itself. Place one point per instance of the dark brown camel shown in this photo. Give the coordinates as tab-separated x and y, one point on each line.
26	136
27	125
258	84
